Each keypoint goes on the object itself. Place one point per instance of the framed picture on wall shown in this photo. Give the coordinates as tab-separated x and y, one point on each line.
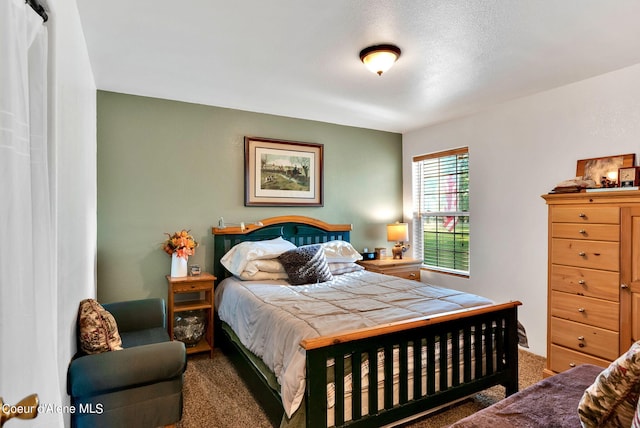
604	168
283	173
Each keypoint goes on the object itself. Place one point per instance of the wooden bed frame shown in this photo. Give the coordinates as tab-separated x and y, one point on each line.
494	325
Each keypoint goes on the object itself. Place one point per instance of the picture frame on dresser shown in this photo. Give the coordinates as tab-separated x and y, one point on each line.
283	173
629	176
597	168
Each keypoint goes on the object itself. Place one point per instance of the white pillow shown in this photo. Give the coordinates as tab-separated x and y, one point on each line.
340	268
340	252
270	266
261	275
236	259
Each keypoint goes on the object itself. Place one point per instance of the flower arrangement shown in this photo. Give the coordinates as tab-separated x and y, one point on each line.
180	243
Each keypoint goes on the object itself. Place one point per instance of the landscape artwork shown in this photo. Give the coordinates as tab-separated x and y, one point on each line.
282	173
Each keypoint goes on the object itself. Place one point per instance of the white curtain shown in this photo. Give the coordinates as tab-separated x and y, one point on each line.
28	288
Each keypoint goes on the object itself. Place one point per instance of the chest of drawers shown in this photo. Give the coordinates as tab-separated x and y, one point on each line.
584	283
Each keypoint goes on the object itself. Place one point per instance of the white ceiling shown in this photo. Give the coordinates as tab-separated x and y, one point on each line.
299	58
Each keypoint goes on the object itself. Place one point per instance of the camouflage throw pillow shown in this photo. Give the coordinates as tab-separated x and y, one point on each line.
306	265
612	399
97	328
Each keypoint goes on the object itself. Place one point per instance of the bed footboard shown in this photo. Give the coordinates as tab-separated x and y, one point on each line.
398	370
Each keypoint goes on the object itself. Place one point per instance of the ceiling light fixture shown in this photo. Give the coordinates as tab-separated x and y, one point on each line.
379	58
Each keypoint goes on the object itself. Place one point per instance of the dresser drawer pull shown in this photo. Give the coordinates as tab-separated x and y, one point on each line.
581	282
412	275
580	337
581	309
582	215
582	254
624	286
582	231
572	364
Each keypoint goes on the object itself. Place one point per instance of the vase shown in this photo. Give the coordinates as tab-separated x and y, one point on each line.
178	266
189	327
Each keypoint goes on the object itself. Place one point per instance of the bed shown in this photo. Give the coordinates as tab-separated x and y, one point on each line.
423	361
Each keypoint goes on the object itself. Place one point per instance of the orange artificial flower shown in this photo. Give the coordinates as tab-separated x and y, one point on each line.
180	243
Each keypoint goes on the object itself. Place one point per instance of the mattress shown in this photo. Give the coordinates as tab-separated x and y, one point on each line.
271	318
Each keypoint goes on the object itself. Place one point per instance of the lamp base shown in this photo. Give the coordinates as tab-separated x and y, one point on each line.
397	252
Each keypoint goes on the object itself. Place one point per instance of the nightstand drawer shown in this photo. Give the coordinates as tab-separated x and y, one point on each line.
404	268
407	273
585	338
586	214
190	287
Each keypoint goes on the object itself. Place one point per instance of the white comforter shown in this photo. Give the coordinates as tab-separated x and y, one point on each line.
272	317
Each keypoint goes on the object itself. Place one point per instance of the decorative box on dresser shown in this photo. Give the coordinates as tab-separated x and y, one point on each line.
593	277
404	268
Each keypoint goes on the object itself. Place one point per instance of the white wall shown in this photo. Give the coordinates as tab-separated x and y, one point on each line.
518	151
72	134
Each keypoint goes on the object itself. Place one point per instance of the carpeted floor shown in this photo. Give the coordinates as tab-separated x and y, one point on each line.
216	397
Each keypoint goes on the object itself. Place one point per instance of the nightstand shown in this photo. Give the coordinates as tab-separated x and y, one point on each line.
404	268
202	283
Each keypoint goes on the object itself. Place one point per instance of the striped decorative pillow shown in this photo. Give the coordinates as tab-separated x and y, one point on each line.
306	265
612	399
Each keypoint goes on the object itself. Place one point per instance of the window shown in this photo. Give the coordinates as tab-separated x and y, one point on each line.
441	210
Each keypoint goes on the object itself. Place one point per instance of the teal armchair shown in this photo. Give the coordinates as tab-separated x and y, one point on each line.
139	386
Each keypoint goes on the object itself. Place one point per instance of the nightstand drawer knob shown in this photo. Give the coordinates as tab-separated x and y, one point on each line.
582	215
580	337
582	231
572	364
581	282
581	310
412	275
582	254
624	286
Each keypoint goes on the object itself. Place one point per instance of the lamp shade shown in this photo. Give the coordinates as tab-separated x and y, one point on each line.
378	59
398	232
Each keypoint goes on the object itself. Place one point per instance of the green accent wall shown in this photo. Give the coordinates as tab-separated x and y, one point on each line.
166	165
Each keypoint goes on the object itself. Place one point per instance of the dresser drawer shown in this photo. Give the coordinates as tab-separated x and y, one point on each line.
589	254
594	232
586	214
562	359
587	310
586	282
591	340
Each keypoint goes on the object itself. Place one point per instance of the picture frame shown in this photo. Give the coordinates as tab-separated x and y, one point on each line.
604	168
283	173
629	176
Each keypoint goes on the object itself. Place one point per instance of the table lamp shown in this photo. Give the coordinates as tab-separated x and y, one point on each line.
398	233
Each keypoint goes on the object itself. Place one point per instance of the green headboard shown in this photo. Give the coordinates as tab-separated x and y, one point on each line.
299	230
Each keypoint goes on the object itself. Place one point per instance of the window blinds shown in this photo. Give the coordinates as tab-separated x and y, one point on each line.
441	209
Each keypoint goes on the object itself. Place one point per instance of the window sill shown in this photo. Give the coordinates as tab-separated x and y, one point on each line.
445	272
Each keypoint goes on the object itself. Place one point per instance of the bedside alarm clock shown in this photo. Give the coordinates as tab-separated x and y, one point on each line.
366	255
